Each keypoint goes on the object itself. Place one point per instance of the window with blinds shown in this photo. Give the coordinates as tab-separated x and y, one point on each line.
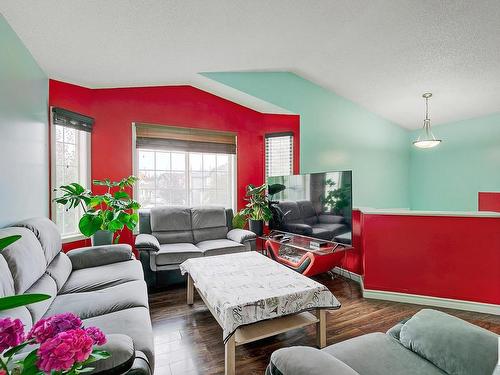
279	154
182	166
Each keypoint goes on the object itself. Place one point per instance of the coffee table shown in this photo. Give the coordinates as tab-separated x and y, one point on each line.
253	297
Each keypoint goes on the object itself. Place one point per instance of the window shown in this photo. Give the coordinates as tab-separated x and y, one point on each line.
170	177
70	162
279	154
184	166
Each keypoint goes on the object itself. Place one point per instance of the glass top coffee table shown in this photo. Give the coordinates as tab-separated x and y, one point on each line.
307	255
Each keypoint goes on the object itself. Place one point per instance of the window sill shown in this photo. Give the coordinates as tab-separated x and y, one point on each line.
73	238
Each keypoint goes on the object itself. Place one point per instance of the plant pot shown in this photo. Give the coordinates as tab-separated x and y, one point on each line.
256	226
102	237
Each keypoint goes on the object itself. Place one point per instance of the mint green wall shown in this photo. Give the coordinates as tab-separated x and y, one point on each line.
24	159
337	134
449	176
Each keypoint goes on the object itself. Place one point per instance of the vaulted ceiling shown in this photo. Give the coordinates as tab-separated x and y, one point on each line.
380	54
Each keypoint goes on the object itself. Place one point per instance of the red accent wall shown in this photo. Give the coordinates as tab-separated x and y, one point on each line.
489	201
114	111
439	256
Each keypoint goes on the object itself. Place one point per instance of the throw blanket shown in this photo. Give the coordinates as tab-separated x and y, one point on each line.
245	288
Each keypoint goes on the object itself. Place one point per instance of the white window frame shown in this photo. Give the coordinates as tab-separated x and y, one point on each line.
85	154
269	136
135	167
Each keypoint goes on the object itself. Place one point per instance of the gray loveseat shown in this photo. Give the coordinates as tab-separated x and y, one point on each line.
104	285
170	235
300	217
431	343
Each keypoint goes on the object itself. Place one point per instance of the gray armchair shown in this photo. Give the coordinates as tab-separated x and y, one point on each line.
170	235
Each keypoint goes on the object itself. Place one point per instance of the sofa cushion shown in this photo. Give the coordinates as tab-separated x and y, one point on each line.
219	247
307	212
103	301
322	233
291	212
95	278
380	354
176	253
303	360
450	343
170	219
209	223
44	285
59	269
25	258
171	224
334	229
6	280
133	322
47	233
94	256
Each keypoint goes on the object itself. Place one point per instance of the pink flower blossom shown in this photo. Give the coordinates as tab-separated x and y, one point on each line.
11	333
45	329
2	372
97	335
64	350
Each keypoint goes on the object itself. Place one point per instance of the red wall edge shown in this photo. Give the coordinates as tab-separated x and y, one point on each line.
439	256
114	111
489	201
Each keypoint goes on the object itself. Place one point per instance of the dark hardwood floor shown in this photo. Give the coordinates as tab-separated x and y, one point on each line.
188	340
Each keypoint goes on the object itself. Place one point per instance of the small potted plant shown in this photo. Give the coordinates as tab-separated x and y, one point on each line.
105	214
337	198
257	209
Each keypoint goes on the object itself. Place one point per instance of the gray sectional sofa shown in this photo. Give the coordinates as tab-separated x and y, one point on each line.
170	235
104	285
300	217
431	343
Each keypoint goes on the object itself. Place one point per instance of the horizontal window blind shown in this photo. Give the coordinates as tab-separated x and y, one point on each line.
279	154
64	117
173	138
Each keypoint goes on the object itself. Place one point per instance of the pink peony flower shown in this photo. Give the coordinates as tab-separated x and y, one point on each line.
97	335
45	329
64	350
11	333
2	372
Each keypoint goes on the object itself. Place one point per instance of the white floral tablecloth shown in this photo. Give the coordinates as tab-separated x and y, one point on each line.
245	288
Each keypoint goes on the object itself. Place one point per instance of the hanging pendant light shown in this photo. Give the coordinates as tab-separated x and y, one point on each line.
426	138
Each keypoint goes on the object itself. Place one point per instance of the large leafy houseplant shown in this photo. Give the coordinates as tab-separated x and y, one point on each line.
257	209
337	199
65	347
111	211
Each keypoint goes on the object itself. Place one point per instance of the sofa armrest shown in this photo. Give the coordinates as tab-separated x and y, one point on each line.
94	256
241	235
298	228
147	242
300	360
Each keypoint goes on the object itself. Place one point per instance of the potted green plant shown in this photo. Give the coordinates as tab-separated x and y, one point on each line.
257	209
337	199
105	214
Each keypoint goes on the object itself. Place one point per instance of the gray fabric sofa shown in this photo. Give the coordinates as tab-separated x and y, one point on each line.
104	285
431	343
300	217
170	235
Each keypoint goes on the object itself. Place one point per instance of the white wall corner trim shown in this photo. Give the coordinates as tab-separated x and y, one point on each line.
448	303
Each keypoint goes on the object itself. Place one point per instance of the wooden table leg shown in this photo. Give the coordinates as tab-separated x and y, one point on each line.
321	328
230	349
190	290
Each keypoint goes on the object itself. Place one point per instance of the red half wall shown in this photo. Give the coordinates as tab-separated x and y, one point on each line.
114	111
489	201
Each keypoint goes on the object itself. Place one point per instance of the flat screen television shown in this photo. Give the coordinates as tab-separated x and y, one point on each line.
317	205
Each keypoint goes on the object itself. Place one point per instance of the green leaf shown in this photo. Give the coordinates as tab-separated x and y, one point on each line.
6	241
115	225
89	224
15	349
121	195
11	302
95	201
239	221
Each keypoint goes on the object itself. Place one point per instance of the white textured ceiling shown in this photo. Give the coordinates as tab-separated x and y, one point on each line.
380	54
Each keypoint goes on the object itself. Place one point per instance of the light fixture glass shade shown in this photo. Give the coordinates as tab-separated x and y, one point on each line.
426	138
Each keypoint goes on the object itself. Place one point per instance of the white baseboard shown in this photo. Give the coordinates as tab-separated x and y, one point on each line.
348	274
486	308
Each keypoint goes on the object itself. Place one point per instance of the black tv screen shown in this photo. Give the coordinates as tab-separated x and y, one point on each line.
317	205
